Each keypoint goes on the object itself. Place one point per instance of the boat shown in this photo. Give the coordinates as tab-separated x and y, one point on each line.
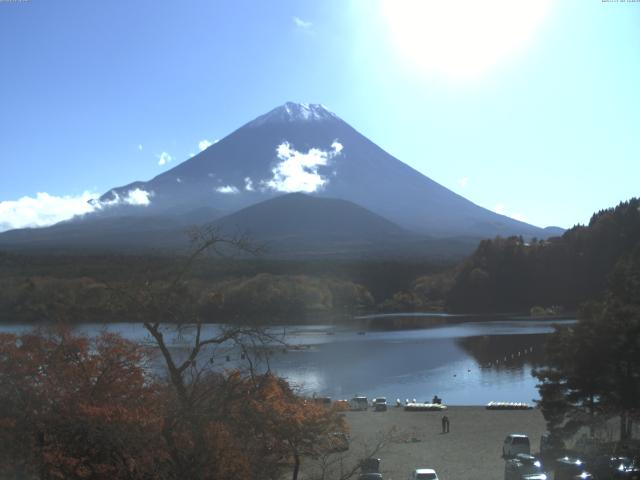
508	406
424	407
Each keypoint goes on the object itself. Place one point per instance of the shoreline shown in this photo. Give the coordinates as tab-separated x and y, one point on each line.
383	321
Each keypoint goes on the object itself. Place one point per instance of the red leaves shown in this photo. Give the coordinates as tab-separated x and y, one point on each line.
76	408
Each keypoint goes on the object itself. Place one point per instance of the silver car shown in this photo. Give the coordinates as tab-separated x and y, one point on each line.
514	444
424	474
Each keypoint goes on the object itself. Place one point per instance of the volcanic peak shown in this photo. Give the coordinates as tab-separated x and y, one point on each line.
292	112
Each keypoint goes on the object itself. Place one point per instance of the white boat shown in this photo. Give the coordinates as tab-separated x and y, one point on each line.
424	407
508	406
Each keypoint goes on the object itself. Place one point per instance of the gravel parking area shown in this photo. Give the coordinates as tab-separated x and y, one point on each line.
471	450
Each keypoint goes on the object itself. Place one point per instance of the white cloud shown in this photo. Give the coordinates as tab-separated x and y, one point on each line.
204	144
463	182
140	146
248	184
138	197
163	158
298	171
45	209
499	208
301	23
519	216
228	189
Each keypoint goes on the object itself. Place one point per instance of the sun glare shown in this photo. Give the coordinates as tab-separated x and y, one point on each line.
461	39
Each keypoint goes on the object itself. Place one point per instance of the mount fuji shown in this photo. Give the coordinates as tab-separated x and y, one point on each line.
294	148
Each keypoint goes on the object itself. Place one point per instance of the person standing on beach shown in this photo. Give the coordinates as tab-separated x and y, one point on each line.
445	424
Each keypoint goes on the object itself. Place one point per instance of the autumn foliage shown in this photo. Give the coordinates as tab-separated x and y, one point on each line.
74	407
79	408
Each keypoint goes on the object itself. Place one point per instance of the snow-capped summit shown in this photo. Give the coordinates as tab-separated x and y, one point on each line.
295	112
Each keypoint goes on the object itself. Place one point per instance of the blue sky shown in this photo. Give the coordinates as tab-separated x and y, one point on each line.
534	114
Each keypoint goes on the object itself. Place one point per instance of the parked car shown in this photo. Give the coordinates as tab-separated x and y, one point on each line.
380	404
423	474
359	403
370	465
571	468
607	467
514	444
370	476
524	467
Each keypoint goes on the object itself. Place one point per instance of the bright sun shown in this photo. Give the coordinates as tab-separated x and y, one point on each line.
461	39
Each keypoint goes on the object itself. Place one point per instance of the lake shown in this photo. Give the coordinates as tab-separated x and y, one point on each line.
467	363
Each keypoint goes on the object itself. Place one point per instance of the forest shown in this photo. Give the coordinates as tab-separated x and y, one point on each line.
515	275
40	288
511	275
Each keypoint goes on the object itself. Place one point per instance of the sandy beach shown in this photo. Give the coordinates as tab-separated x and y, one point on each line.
471	450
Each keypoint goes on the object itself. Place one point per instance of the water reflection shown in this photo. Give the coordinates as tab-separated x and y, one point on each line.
465	363
508	352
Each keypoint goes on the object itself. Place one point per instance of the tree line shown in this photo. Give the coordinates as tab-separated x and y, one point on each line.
43	288
592	369
514	275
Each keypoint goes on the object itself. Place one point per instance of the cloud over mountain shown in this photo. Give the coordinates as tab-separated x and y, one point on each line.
164	158
228	189
298	171
45	209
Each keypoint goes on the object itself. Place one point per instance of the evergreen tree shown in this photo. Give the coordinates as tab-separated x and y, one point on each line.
593	367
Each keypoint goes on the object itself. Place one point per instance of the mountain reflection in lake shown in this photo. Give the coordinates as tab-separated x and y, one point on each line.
464	363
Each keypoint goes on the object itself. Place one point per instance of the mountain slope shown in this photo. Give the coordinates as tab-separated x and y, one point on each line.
298	147
291	223
134	233
299	215
290	226
293	148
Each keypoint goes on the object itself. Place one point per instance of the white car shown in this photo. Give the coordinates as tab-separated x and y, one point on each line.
514	444
359	403
380	404
423	474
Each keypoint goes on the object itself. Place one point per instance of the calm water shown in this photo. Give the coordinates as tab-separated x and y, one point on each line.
465	363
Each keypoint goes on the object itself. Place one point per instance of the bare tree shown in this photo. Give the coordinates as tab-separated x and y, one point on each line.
169	307
330	464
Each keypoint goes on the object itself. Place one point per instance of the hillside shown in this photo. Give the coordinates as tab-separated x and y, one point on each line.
300	215
510	274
